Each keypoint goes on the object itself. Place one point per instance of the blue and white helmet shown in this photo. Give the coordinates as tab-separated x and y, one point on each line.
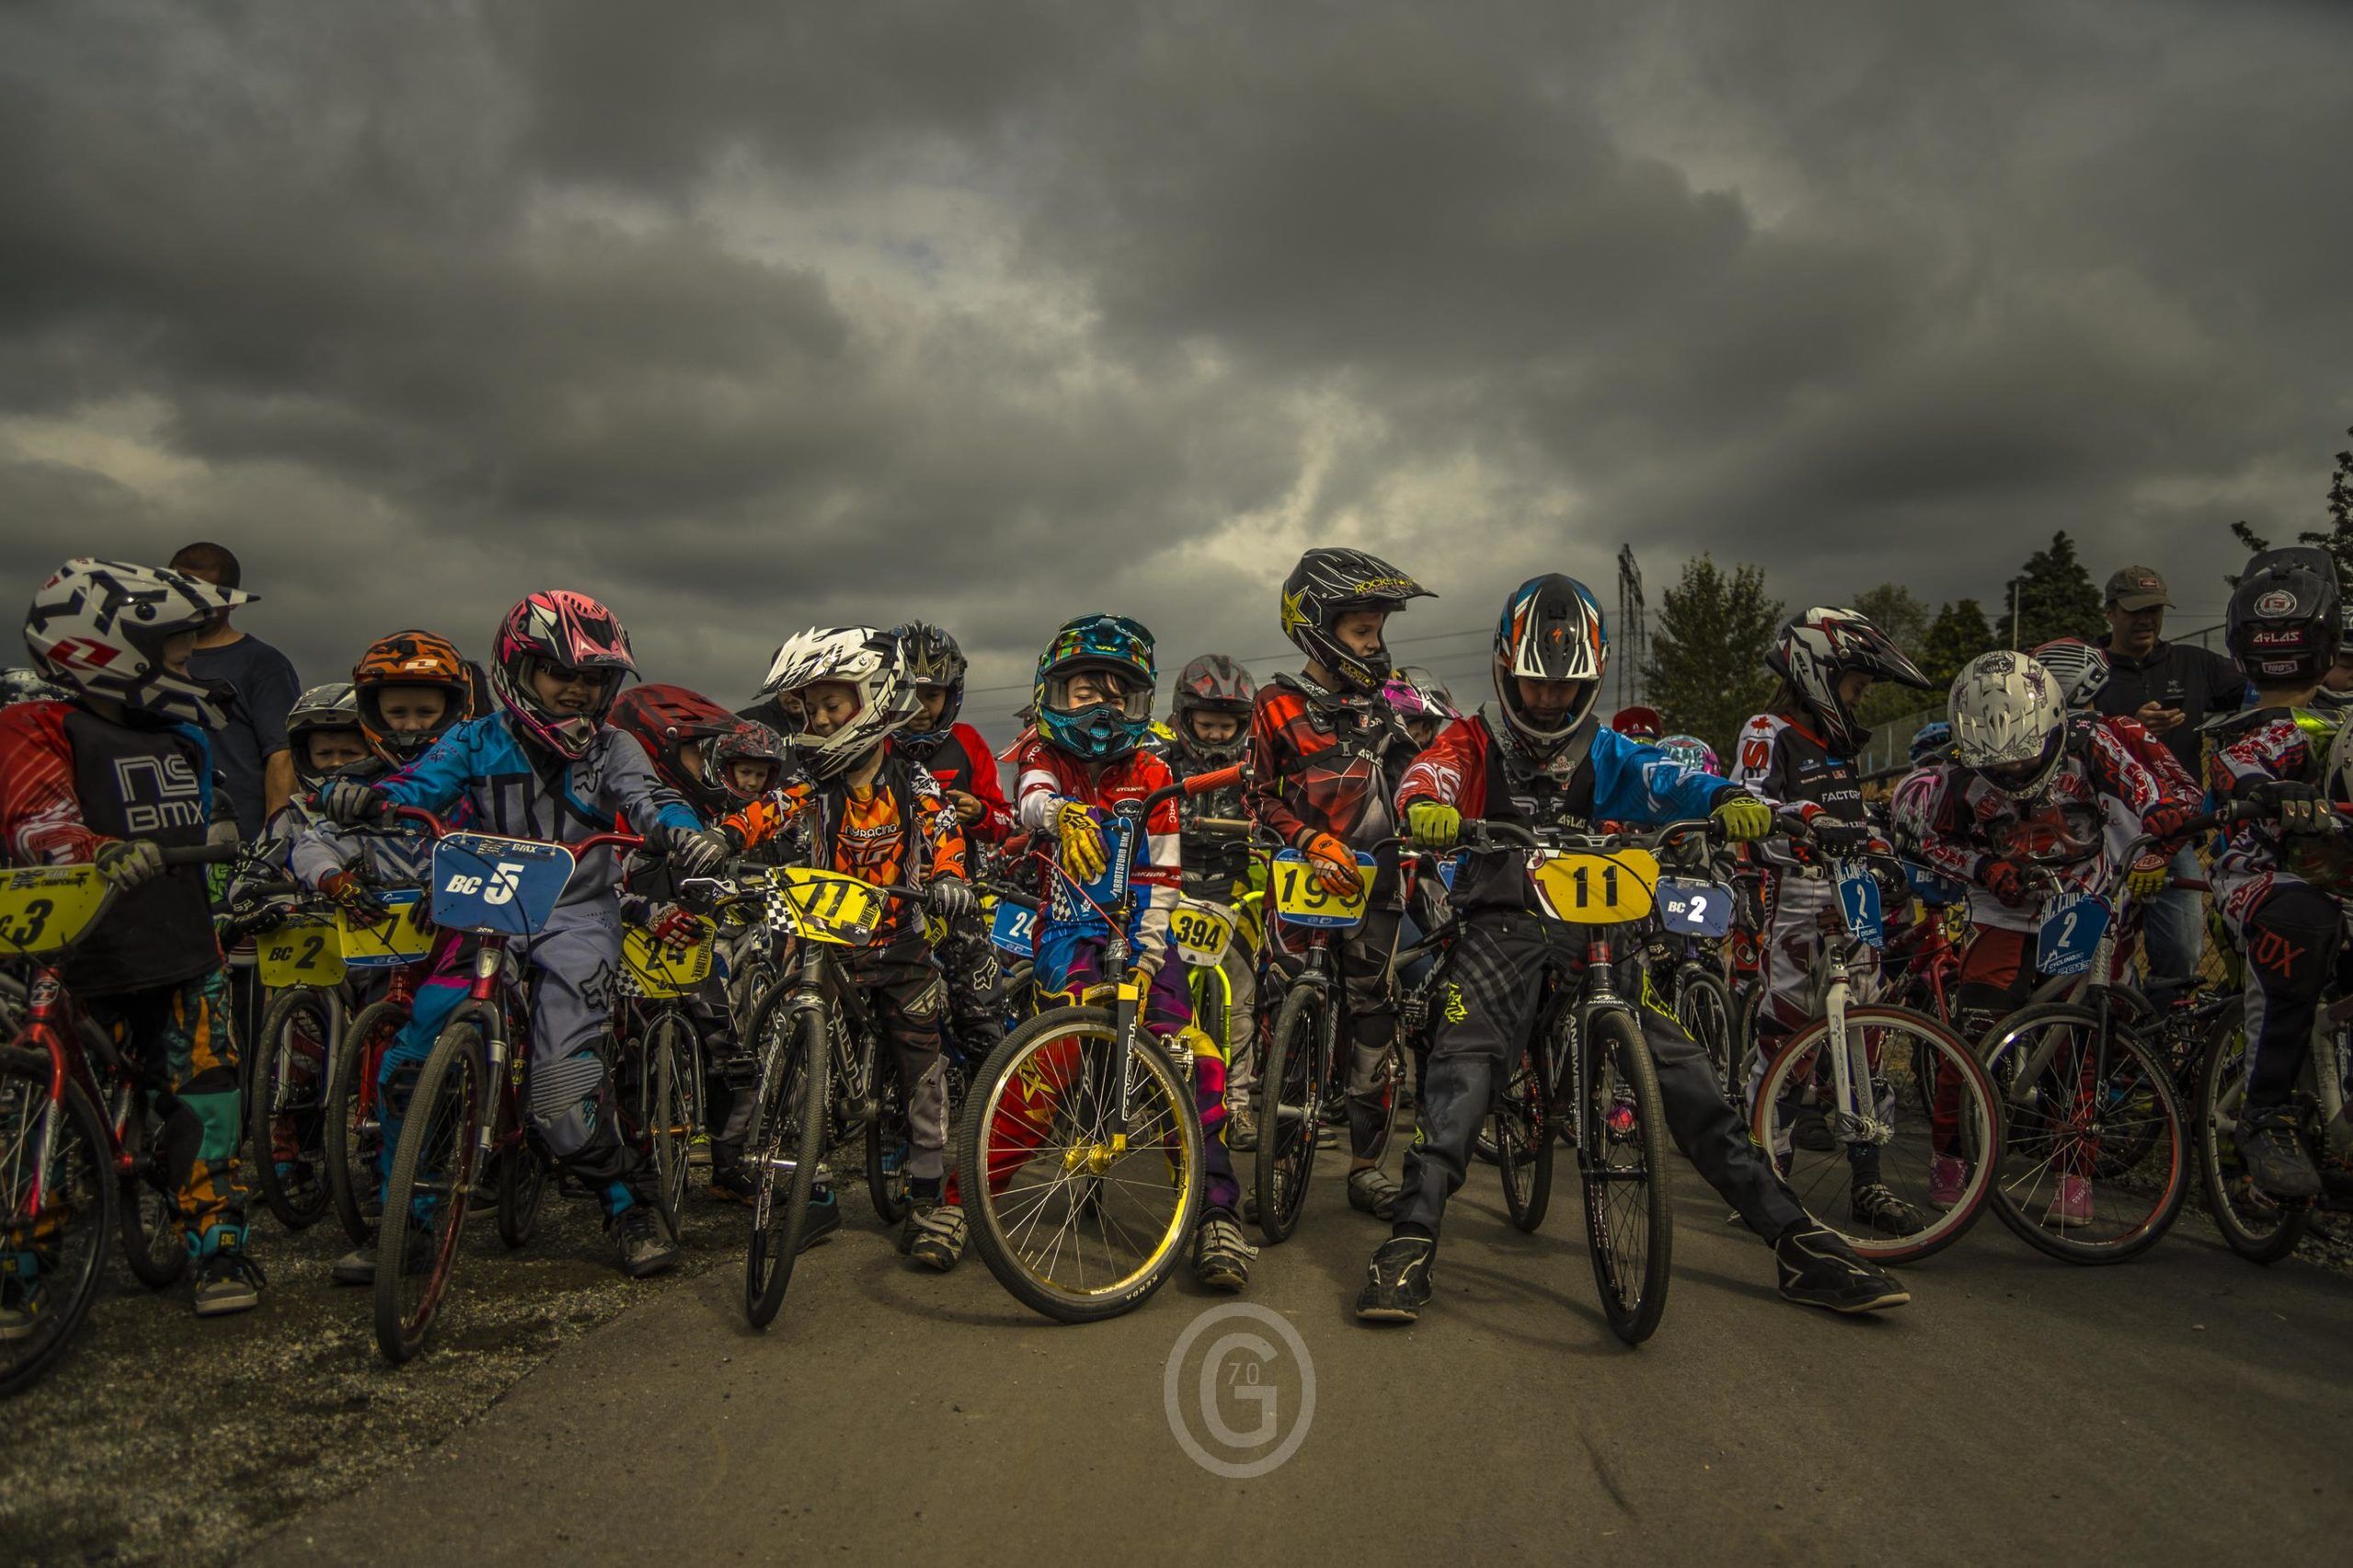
1551	630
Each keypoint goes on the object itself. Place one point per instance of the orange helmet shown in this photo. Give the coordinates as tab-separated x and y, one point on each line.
409	658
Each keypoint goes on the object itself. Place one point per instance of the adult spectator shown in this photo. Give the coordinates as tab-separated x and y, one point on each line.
250	754
2173	688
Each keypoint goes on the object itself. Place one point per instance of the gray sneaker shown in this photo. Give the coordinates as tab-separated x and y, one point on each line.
2274	1156
644	1249
228	1282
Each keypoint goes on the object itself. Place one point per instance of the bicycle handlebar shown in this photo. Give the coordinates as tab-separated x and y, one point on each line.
203	854
1654	838
435	827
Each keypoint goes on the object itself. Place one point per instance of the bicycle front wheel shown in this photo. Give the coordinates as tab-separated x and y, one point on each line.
672	1112
1703	1005
2256	1226
2095	1161
1523	1141
428	1194
785	1141
1621	1161
1291	1091
1078	1220
50	1258
286	1114
1931	1146
353	1142
147	1207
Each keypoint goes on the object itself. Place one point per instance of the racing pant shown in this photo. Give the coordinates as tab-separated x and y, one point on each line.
568	968
2177	931
1489	999
1070	959
907	998
179	1040
2292	935
975	995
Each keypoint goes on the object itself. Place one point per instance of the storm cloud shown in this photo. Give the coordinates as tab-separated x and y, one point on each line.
748	316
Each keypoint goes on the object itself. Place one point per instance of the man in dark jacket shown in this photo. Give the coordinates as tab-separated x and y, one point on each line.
2172	689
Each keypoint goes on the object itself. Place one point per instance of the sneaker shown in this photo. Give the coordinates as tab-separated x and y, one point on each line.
2274	1155
1241	1130
824	1218
933	1235
1220	1257
644	1248
1947	1179
356	1266
733	1184
1818	1269
1877	1208
1372	1192
20	1298
2074	1204
228	1282
1397	1286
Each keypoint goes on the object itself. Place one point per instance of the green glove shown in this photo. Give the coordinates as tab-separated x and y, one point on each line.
1745	817
1433	826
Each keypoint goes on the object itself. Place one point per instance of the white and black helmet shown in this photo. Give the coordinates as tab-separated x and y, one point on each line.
1815	649
334	705
864	657
99	627
2080	669
2009	722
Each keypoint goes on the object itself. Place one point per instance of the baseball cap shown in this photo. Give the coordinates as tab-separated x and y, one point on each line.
2138	588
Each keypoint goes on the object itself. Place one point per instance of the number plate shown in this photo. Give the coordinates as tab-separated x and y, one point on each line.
497	886
1120	837
1302	899
45	909
663	972
307	951
827	906
1200	931
390	942
2072	928
1934	890
1858	901
1585	889
1693	908
1011	928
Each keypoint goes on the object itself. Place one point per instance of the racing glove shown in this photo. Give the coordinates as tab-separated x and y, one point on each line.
697	851
952	898
222	832
2299	808
1745	818
2148	876
1833	837
1083	853
352	803
673	927
345	888
1335	865
2007	882
1432	825
2166	823
127	863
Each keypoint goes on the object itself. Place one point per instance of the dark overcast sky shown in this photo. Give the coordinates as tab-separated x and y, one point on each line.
750	315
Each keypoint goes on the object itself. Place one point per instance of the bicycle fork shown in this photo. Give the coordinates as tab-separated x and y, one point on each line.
1856	1119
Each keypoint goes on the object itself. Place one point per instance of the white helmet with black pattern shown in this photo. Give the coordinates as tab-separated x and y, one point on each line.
1816	650
872	663
98	627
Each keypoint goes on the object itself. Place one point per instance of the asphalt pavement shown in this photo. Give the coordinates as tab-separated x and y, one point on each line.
2188	1406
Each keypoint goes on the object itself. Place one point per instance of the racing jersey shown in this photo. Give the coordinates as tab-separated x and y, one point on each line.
2249	749
1321	762
963	761
1620	780
899	831
525	791
1046	778
320	847
2076	830
1215	861
74	781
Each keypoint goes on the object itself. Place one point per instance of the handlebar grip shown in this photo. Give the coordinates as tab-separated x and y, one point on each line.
1224	824
203	854
1007	895
1210	783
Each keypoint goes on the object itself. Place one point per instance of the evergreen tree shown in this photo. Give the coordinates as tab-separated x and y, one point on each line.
2055	598
1707	673
1899	612
1958	634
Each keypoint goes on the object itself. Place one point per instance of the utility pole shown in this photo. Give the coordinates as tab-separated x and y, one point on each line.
1633	629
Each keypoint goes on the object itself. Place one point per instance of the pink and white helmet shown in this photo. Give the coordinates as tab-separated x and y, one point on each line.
1912	806
567	631
1695	755
1414	693
97	627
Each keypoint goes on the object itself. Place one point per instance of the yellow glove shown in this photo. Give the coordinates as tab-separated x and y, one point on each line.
1433	826
1745	818
2147	878
1083	853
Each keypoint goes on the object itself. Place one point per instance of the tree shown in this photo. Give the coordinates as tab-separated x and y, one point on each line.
2337	541
1899	612
1958	634
2055	598
1707	673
